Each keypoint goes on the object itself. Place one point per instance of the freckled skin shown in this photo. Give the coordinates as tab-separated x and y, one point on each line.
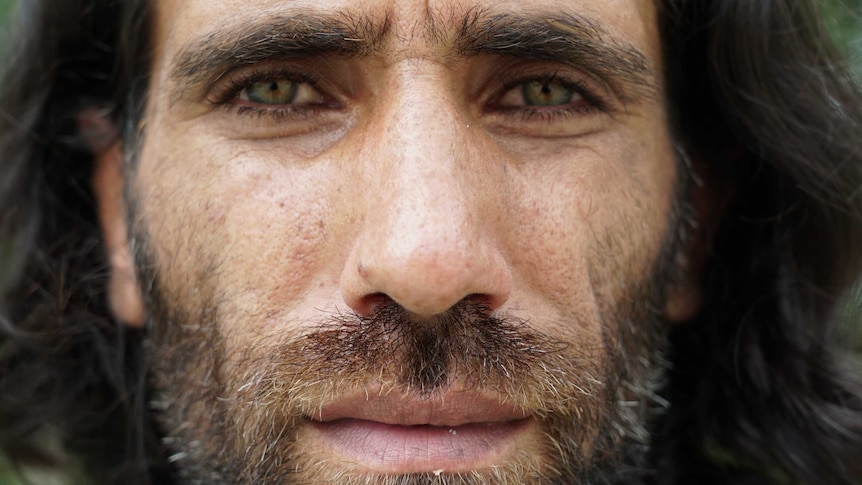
412	191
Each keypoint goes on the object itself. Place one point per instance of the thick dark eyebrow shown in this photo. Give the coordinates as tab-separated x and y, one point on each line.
577	41
293	37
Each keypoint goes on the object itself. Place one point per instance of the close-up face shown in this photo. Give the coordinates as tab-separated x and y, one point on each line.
389	240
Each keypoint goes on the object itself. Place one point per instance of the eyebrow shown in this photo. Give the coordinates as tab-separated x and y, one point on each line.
574	40
294	37
577	41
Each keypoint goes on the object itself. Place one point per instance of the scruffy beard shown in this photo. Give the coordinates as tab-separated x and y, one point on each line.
230	417
236	417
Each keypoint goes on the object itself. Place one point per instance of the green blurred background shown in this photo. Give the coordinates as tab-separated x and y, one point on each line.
844	19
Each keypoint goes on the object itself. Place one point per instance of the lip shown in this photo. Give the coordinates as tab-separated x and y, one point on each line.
452	408
453	432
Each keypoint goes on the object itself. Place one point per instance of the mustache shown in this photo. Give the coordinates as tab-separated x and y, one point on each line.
466	341
396	351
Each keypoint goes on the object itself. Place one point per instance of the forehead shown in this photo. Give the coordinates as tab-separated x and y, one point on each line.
403	25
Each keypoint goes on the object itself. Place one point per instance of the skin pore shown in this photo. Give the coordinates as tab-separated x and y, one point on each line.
402	242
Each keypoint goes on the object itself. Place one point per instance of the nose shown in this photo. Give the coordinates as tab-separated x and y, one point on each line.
428	237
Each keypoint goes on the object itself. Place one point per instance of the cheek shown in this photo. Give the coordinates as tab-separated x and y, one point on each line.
244	226
267	237
590	224
278	230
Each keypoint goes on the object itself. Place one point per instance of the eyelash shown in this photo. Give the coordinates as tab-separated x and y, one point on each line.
226	98
593	103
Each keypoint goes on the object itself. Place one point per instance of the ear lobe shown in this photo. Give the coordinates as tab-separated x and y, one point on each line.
124	295
710	194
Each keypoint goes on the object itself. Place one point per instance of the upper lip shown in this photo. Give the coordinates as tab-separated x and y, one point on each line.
451	408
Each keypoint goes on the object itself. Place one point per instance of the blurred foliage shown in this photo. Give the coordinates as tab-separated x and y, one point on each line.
5	7
844	21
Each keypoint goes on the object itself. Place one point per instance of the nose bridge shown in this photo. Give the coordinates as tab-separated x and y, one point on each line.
423	243
429	188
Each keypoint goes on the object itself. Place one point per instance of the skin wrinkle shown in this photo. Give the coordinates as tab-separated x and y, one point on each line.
277	330
575	40
340	34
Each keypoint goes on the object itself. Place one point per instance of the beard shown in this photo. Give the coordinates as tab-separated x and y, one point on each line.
236	417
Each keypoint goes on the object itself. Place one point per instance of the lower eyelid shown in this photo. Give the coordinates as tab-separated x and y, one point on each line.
278	114
580	105
551	114
544	124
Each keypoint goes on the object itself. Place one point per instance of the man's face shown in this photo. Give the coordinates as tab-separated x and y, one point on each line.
395	239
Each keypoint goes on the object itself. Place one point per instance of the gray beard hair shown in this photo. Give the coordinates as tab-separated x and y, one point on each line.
232	418
239	425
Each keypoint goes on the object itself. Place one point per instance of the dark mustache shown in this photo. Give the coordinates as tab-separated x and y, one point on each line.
468	343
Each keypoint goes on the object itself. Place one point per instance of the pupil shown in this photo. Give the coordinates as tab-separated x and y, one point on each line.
273	86
546	89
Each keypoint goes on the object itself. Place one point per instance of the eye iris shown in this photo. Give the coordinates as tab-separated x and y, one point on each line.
551	93
272	92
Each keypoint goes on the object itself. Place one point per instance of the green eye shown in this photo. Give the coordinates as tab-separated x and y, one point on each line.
540	93
546	93
280	92
272	92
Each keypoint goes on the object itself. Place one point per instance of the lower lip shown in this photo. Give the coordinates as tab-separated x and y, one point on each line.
386	448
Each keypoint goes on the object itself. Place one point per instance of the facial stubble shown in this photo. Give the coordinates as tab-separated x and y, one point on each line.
237	416
234	418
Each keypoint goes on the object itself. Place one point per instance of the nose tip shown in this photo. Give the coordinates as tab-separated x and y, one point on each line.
430	230
427	281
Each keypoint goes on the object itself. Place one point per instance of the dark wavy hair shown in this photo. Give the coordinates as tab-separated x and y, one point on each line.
760	390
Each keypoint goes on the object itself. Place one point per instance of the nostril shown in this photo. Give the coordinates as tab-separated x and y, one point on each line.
426	264
368	304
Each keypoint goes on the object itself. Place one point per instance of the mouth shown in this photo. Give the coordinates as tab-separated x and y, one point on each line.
450	433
